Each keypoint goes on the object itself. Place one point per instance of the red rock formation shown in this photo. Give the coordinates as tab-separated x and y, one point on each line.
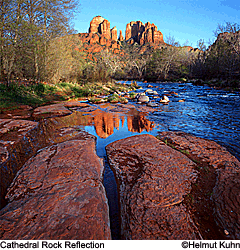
114	34
218	186
100	32
58	195
157	36
103	40
128	33
142	34
121	38
153	181
94	24
105	29
13	135
115	45
93	38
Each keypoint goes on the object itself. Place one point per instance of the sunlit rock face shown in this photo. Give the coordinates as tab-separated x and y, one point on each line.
140	33
114	34
58	195
102	26
153	181
101	36
95	24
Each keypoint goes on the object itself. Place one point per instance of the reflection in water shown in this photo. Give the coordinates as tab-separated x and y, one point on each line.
105	123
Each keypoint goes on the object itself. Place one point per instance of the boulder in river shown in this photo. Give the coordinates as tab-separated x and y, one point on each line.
164	99
152	104
143	98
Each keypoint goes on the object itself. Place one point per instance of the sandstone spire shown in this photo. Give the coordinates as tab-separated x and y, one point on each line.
142	34
94	24
121	38
114	34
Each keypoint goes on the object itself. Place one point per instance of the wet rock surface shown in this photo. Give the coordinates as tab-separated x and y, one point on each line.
19	112
58	194
218	184
153	180
50	111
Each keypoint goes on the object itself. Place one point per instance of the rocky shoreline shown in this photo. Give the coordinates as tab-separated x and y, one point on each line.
175	186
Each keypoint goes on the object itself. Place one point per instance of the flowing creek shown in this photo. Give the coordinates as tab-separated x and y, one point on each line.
206	112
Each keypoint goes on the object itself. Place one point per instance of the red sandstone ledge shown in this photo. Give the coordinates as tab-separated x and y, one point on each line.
58	195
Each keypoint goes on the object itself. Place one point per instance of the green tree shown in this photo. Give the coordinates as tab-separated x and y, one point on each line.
26	29
65	61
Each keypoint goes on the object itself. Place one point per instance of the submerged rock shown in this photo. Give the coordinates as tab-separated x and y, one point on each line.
58	195
153	180
152	104
74	104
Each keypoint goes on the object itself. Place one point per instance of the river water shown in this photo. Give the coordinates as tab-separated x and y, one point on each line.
206	112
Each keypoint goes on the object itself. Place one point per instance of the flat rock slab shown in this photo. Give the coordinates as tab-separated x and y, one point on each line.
226	191
9	128
50	111
73	104
205	150
18	112
58	195
153	180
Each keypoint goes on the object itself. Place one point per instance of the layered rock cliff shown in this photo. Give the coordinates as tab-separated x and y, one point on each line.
101	33
142	34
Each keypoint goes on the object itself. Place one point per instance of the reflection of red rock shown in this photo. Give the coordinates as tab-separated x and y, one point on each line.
105	122
139	123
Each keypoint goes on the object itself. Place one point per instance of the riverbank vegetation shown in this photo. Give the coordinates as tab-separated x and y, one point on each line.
43	60
37	94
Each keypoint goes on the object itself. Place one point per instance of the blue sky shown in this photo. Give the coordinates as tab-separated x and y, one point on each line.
185	20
